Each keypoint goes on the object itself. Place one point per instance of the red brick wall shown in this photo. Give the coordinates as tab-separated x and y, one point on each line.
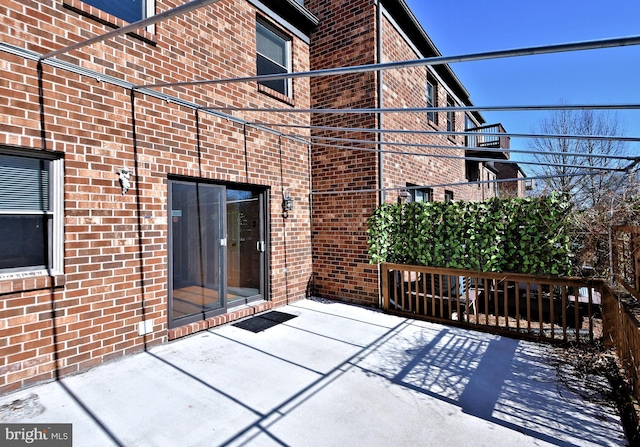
344	37
407	88
347	36
115	271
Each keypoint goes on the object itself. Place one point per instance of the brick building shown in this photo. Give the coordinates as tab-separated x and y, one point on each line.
363	32
136	210
91	271
511	187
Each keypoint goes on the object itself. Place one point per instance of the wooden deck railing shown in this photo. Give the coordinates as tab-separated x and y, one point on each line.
526	306
622	332
622	314
626	257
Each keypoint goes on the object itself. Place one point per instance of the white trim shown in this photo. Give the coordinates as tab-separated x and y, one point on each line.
151	11
55	242
24	274
57	206
288	48
293	29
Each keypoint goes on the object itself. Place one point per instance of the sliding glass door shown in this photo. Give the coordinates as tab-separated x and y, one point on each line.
245	247
216	250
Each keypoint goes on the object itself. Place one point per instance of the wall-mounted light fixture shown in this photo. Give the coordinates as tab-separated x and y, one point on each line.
287	203
404	196
124	175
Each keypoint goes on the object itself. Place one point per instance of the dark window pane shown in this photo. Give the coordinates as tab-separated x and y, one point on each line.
265	66
23	242
432	101
273	56
127	10
197	256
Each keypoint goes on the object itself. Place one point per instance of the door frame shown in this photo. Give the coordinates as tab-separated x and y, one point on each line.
265	286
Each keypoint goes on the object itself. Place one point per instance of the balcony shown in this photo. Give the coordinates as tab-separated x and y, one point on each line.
492	136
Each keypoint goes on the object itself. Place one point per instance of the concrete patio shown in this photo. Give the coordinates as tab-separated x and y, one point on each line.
335	375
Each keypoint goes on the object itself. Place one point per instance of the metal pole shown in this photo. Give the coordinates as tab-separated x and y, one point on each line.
194	4
520	108
470	148
437	132
443	185
439	60
458	157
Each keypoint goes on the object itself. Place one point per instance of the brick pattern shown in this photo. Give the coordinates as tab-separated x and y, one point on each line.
347	36
407	88
115	246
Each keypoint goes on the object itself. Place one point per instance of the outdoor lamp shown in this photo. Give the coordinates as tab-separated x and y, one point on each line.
287	201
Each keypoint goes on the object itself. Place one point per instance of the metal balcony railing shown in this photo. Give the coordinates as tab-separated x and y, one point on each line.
492	136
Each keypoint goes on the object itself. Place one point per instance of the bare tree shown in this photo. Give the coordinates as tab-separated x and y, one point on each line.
561	163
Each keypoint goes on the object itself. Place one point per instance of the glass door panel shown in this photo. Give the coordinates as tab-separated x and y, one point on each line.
197	255
245	247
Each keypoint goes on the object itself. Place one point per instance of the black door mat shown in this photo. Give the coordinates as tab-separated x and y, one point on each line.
264	321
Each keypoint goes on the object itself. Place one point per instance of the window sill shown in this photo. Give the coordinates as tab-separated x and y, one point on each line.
106	19
26	284
275	94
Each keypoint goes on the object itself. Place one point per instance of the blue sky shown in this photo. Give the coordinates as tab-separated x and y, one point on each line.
605	76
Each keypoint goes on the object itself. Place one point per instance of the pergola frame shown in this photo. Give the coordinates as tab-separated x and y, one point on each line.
50	58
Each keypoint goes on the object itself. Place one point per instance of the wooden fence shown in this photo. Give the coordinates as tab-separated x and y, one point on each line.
525	306
622	314
622	332
626	257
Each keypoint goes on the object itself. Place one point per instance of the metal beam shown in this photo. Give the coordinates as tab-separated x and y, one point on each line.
434	109
437	132
468	148
439	60
444	185
481	159
194	4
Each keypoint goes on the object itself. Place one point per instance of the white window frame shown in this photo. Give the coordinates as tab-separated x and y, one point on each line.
288	48
55	241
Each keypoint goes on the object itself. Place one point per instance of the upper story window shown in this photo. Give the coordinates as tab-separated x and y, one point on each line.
127	10
273	56
30	214
451	117
432	99
468	124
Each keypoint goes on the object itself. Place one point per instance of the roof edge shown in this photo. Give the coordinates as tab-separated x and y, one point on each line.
405	17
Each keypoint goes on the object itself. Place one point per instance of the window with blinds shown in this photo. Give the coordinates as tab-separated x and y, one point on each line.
26	217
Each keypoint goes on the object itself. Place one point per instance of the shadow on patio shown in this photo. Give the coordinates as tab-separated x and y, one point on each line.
334	375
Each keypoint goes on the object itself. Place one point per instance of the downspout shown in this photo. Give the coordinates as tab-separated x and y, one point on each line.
379	136
379	81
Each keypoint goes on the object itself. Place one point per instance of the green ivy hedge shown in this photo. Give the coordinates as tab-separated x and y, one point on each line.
529	235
